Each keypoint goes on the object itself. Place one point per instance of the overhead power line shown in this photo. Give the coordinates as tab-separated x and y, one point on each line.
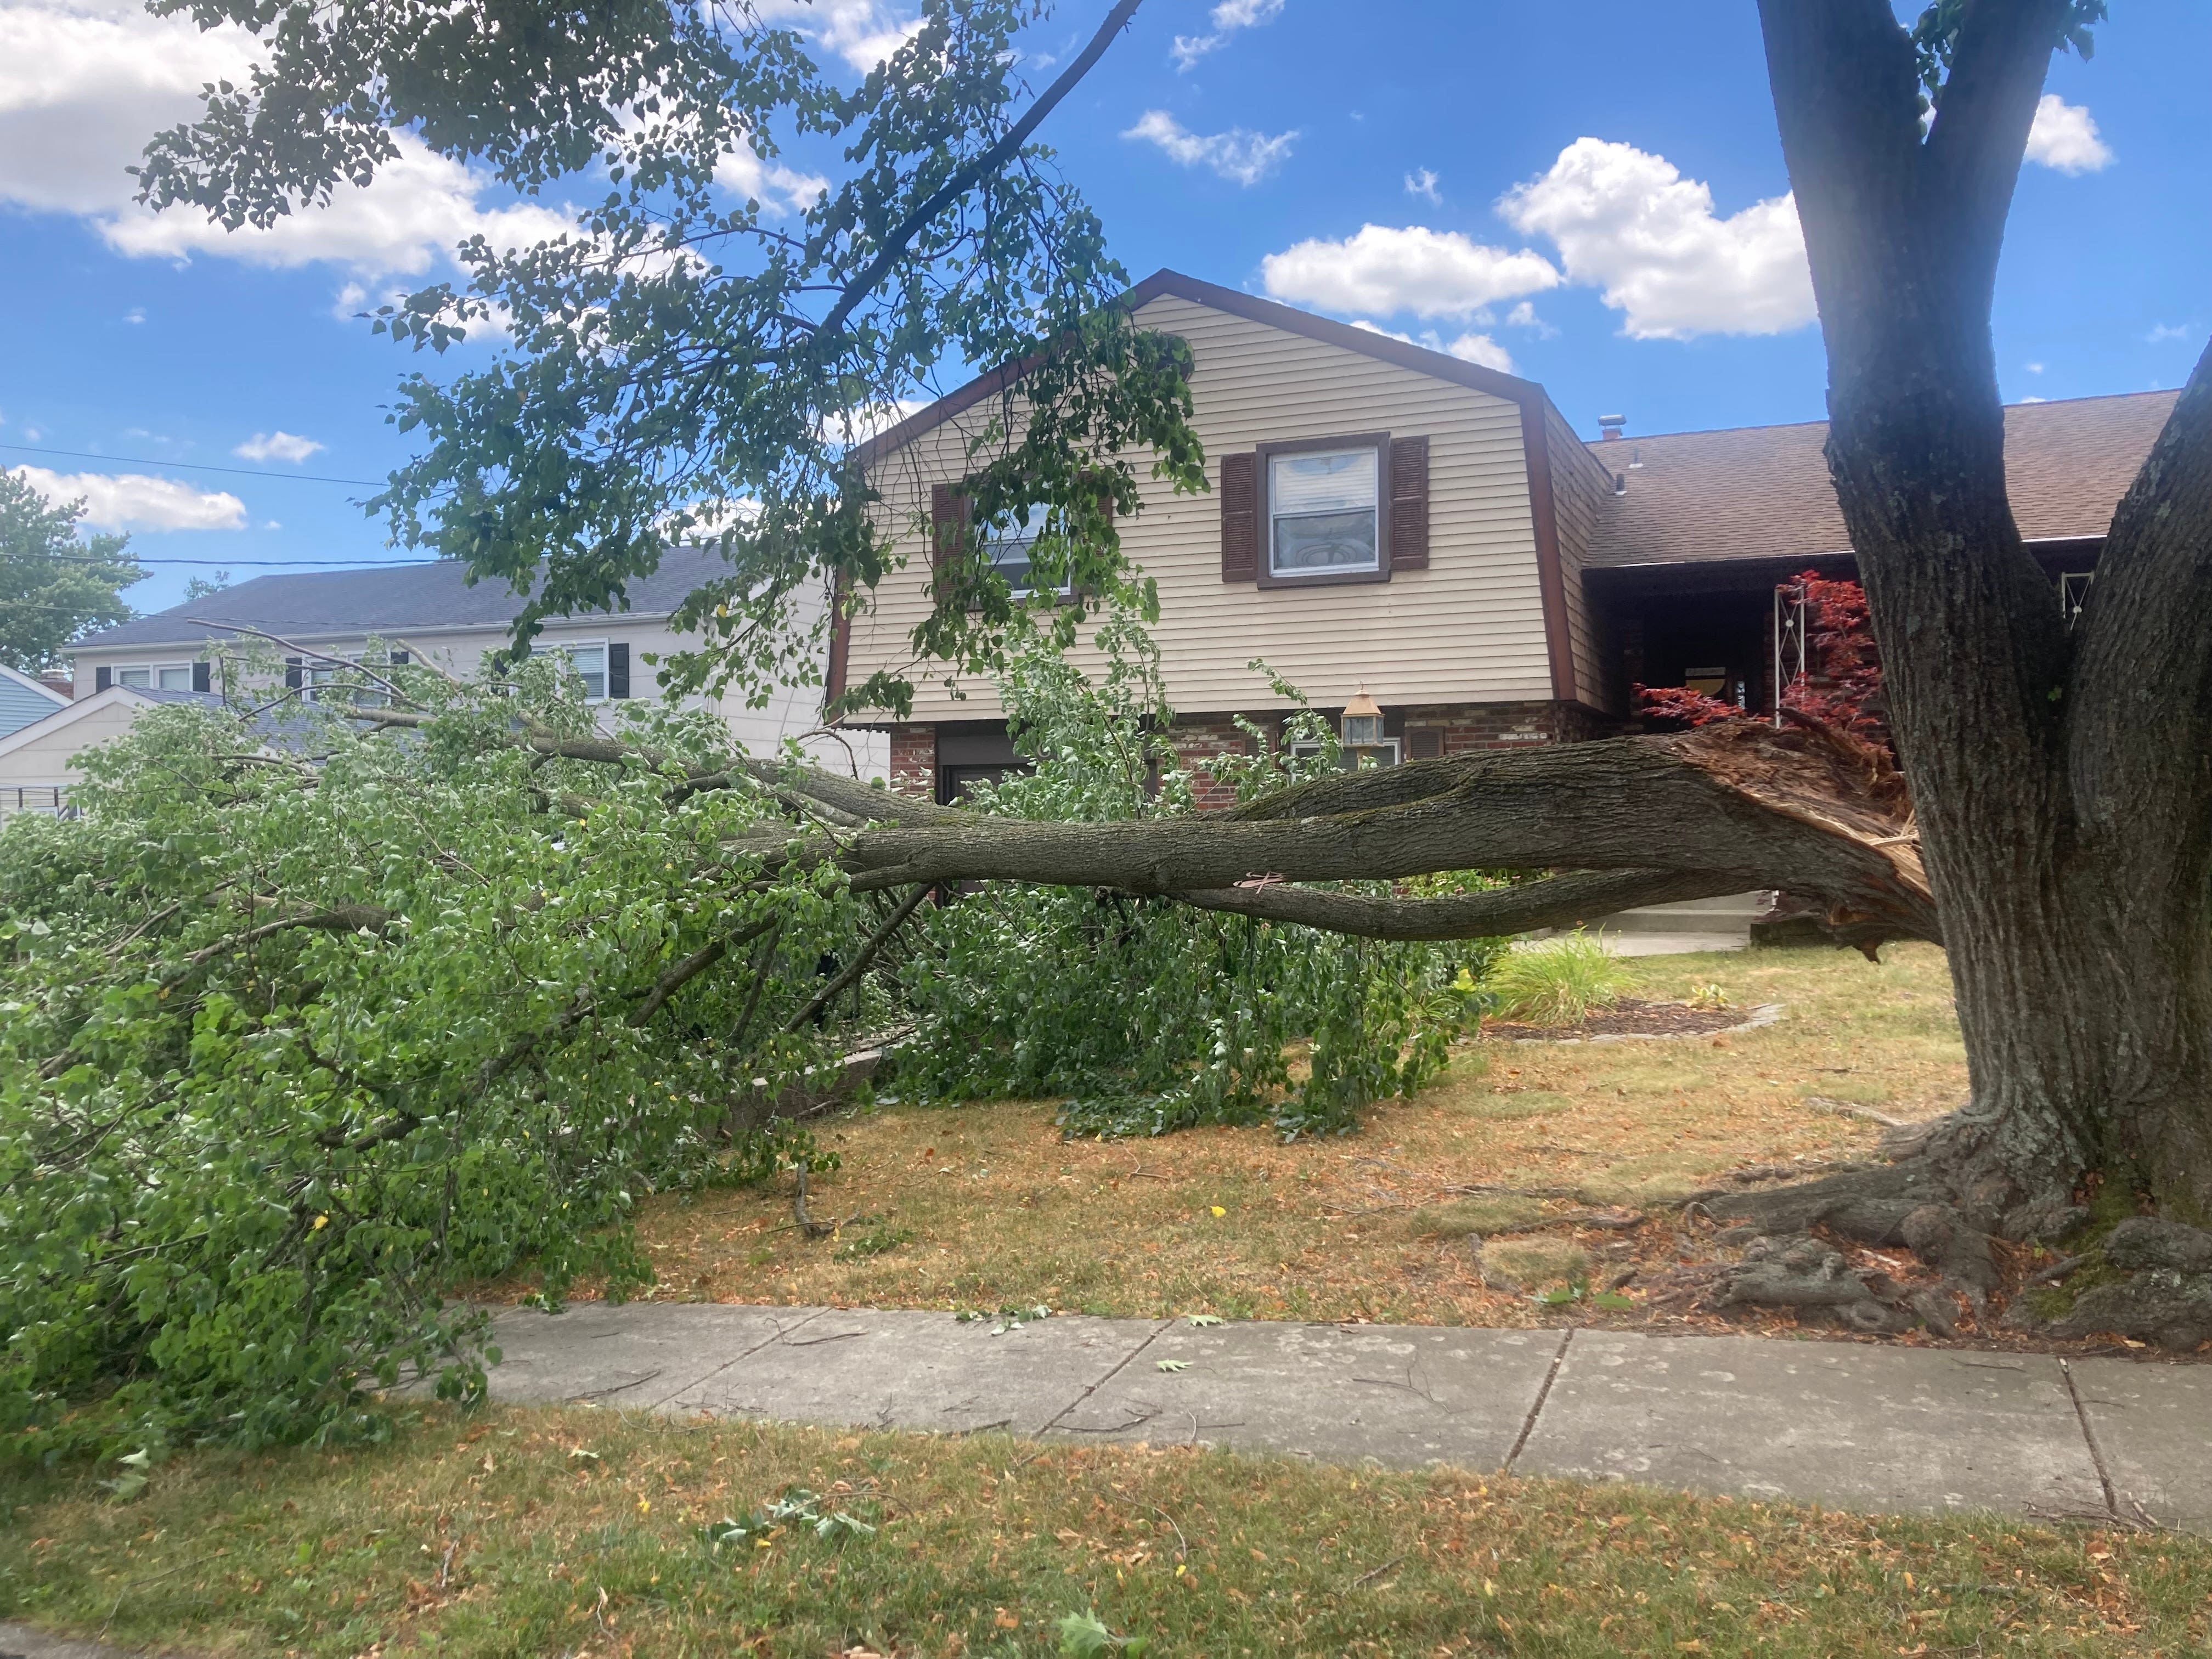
123	559
196	466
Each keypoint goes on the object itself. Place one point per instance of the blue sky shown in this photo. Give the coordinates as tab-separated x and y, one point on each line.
1592	194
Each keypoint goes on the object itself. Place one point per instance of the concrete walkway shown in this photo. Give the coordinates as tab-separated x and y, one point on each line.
1850	1424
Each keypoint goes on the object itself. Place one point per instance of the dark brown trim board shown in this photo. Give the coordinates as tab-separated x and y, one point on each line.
1264	571
1551	579
840	645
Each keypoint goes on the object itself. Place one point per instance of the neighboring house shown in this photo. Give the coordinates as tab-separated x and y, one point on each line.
38	761
23	700
1392	520
430	611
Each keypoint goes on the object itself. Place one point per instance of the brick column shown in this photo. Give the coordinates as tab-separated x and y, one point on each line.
1199	737
913	761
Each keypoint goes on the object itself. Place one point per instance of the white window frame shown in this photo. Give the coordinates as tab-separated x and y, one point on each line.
1359	755
322	671
153	671
1025	536
569	647
1268	574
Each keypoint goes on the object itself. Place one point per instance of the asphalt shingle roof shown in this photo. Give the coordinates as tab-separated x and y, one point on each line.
384	599
1763	491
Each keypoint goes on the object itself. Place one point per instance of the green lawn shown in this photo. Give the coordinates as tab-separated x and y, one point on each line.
577	1533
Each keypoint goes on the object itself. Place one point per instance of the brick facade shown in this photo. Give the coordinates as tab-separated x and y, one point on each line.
1464	727
1199	738
1459	727
913	761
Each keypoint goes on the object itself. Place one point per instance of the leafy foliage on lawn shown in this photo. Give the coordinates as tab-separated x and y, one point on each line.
1152	1015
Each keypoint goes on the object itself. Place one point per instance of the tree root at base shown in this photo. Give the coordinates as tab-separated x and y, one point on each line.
1946	1199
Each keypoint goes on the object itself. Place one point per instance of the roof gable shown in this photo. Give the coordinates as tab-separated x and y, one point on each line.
1164	283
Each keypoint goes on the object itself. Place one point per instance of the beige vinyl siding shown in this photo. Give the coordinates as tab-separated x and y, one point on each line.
1580	484
1468	628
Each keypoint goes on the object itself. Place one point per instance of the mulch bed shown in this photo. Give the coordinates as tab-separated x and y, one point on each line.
1627	1017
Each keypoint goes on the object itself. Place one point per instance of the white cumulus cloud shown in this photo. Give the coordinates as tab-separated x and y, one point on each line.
1468	347
1429	273
1424	183
773	185
1241	156
276	446
85	84
2064	137
137	500
1627	222
416	210
1228	17
862	32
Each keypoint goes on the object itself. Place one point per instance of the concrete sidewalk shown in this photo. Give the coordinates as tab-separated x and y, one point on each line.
1851	1424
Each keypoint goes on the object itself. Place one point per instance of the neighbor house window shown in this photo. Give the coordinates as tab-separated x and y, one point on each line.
1323	511
163	676
590	662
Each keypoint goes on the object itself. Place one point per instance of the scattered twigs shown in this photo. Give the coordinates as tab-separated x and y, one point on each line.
1376	1572
866	954
1611	1220
1851	1109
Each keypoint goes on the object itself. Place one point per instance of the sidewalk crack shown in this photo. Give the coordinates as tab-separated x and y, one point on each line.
1543	1393
1090	1388
781	1331
2089	1436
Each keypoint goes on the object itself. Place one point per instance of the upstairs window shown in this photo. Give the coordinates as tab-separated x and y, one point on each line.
166	676
1009	548
590	662
1322	513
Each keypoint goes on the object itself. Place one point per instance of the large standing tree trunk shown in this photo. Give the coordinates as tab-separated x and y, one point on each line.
2060	777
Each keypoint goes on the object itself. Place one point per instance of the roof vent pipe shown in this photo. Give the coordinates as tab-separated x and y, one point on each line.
1609	426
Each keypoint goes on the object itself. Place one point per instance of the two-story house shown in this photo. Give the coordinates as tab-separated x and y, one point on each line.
1392	520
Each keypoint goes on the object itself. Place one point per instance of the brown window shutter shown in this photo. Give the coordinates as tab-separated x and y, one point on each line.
1409	503
1424	742
949	513
1240	518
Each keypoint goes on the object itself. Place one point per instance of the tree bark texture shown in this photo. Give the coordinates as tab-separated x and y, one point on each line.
2060	777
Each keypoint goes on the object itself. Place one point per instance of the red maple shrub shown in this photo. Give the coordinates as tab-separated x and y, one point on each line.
1678	705
1841	685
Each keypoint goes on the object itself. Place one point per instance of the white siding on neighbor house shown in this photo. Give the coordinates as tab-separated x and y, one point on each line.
1580	483
1469	628
47	761
791	711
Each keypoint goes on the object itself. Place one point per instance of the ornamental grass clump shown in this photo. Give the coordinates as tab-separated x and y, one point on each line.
1558	982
